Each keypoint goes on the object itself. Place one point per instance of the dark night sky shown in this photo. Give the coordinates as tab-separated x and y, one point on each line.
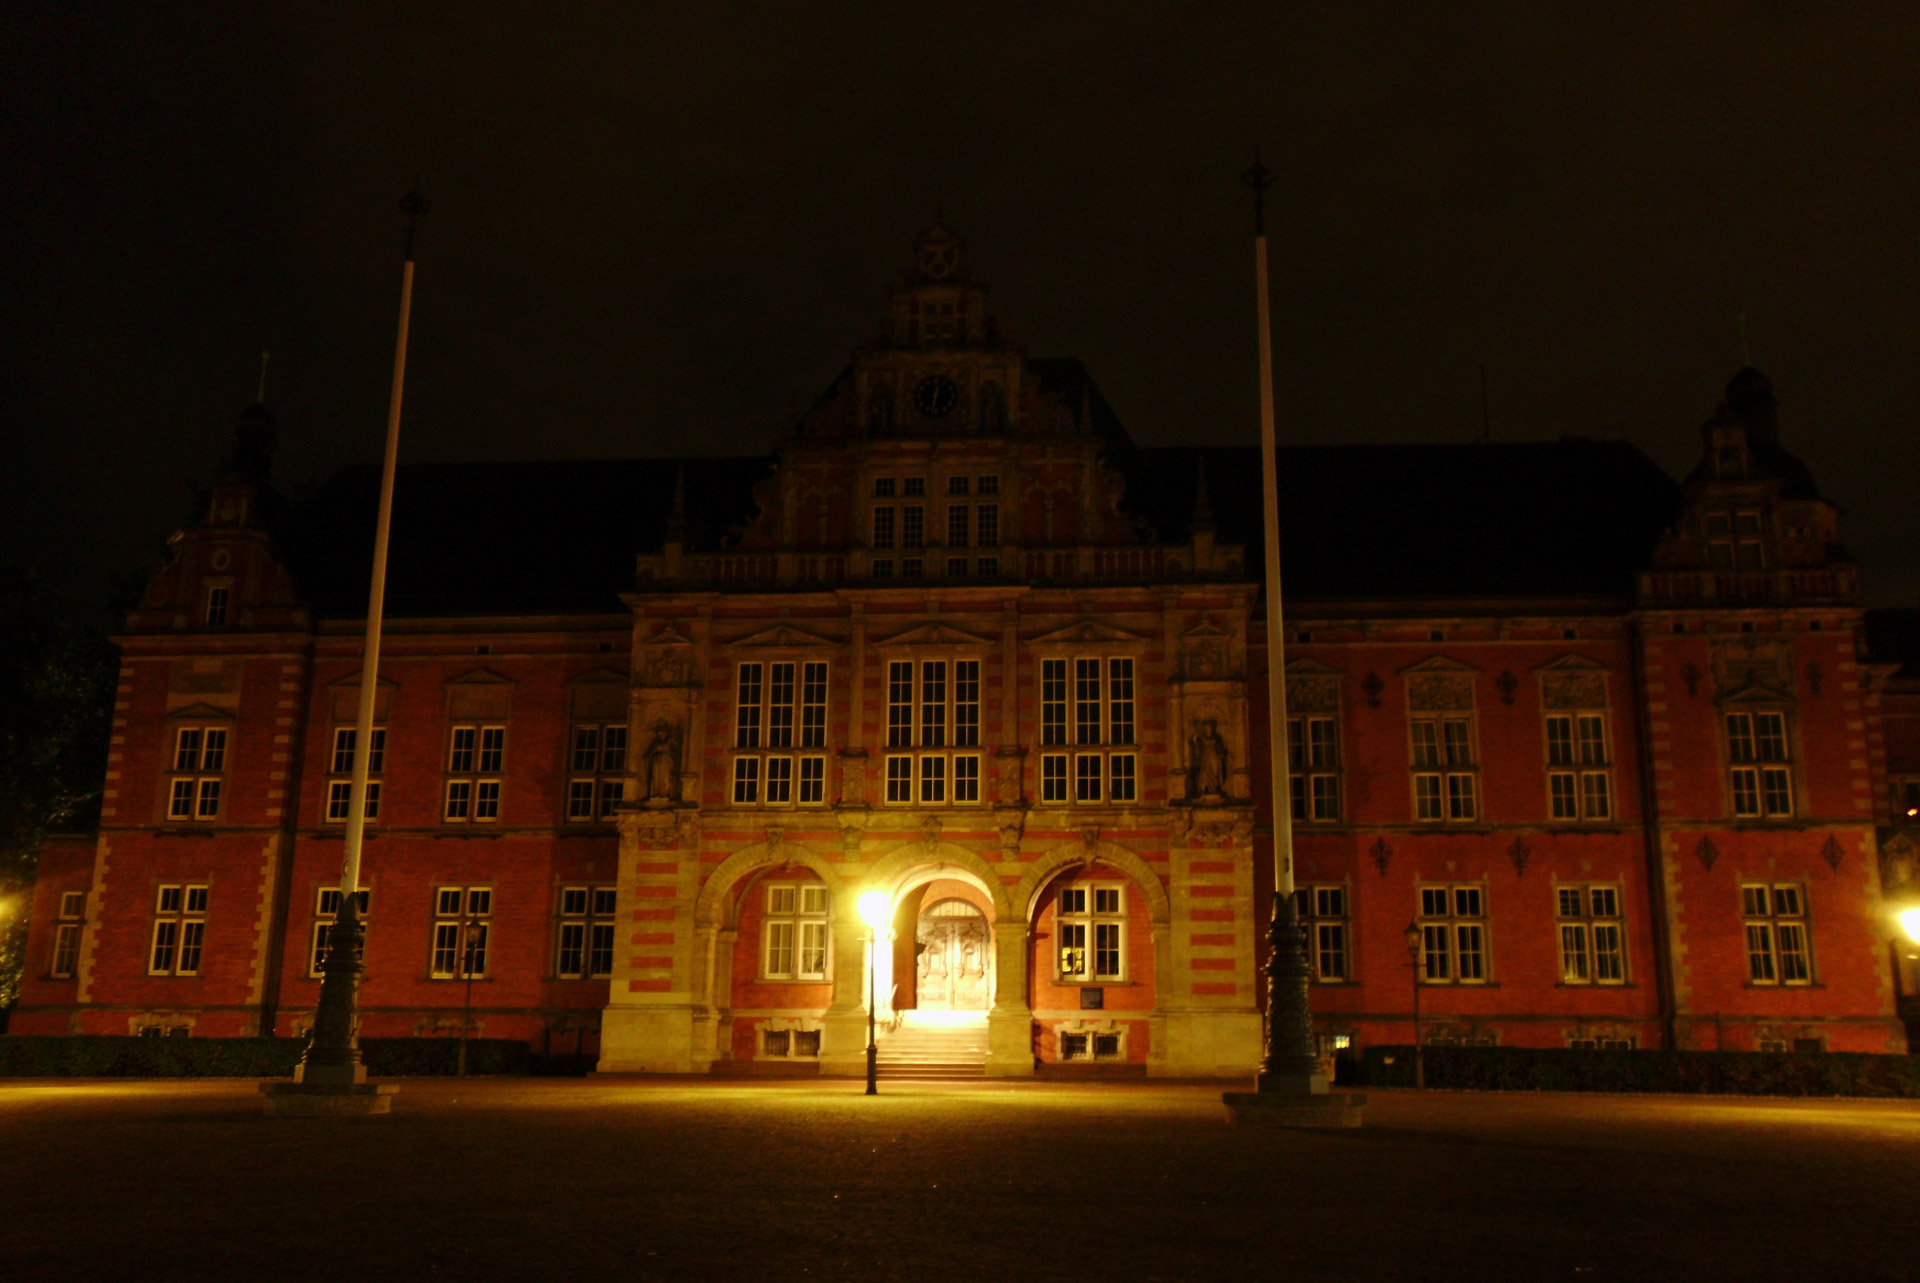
655	228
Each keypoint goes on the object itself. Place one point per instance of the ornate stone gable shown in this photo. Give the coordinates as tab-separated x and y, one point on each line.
782	637
935	635
1439	685
1753	667
1207	653
1313	687
1088	632
1573	681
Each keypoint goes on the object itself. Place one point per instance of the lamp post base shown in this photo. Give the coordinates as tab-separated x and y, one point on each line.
326	1100
1277	1109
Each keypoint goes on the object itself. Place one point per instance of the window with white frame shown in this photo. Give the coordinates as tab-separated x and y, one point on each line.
1778	951
179	930
1313	753
1453	934
1579	784
462	926
1445	781
793	934
476	755
584	946
1593	947
933	732
199	765
326	908
340	772
596	771
780	713
66	934
1759	763
1090	921
1087	730
1324	914
218	598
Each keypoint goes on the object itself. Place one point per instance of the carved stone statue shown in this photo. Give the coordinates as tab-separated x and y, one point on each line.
1208	763
662	758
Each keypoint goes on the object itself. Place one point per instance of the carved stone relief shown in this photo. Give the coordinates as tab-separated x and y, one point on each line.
1313	694
1439	692
1573	688
1752	664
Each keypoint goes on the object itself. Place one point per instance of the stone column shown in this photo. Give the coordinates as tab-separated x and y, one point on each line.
843	1026
1010	1023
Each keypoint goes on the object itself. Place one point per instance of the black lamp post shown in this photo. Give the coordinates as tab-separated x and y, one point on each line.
873	911
1413	957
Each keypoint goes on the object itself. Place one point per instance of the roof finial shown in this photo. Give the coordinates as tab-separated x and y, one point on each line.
264	357
1202	508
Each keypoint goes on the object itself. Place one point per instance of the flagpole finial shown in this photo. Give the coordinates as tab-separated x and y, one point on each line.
1259	177
414	206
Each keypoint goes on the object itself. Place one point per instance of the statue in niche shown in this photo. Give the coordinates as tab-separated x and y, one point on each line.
662	758
1208	763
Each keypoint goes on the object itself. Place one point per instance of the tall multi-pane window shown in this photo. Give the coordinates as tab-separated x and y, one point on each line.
1445	786
1090	922
793	934
1579	784
1735	542
1778	951
780	707
1453	934
326	908
199	764
462	927
596	766
475	757
1759	763
218	595
1313	754
1098	693
583	947
933	731
179	930
1325	915
340	772
1592	943
66	934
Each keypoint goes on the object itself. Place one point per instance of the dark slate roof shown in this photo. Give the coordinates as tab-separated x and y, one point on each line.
522	537
1572	517
1893	637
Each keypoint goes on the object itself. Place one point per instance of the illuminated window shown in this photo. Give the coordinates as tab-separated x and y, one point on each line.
1313	754
1445	782
793	934
1097	692
780	706
1323	911
326	908
66	934
933	731
1778	951
462	924
1759	765
179	930
1592	941
584	945
1090	919
199	762
340	772
473	754
1453	934
597	766
1579	783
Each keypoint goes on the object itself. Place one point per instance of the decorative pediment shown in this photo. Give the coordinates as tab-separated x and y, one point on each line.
1572	663
1753	669
944	635
667	636
1438	664
195	712
1088	632
783	637
1573	681
1205	628
1439	685
1312	668
598	675
481	694
480	677
352	681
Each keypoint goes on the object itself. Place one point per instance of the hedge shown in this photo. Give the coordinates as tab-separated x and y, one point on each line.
101	1056
1733	1073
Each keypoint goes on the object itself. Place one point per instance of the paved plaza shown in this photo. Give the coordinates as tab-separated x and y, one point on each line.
564	1180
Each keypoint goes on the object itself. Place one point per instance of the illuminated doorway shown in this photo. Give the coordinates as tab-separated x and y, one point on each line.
953	965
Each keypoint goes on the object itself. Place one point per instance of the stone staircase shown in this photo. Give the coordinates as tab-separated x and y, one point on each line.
935	1044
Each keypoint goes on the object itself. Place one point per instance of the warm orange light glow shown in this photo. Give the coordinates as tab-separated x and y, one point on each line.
1910	923
873	908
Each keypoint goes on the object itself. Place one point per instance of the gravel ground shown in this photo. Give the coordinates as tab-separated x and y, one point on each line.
562	1180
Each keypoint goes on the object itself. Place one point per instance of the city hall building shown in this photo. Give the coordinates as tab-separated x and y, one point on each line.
1615	754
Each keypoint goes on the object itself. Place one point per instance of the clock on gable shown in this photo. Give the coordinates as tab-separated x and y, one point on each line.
935	397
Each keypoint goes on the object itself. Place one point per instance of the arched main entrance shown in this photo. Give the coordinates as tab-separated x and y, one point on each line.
953	962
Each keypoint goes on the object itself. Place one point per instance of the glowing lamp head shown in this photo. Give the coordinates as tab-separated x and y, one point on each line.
873	908
1910	923
1412	937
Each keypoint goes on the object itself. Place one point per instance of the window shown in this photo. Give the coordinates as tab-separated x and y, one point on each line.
883	528
1734	541
913	526
1453	934
217	597
883	487
780	706
1776	923
793	935
1444	784
1578	783
1313	753
933	704
957	524
986	520
1090	920
1906	800
326	908
987	485
179	931
584	946
1577	1043
1324	910
66	934
597	766
461	927
473	754
340	772
1100	693
1592	944
1758	764
199	760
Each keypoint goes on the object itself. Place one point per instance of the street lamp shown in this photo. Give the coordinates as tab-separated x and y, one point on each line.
1909	920
873	912
1413	957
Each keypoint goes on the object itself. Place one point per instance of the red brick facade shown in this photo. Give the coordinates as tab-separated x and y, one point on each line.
1613	748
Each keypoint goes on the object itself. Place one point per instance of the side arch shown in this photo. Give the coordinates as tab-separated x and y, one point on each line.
708	905
893	869
1112	854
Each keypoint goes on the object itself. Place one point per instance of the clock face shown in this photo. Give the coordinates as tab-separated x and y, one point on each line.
936	397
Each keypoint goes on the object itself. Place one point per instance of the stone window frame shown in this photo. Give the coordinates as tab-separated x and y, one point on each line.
756	761
338	796
475	773
1081	904
1073	766
1449	927
205	793
1755	761
591	912
599	778
70	923
179	928
800	920
930	757
450	916
1579	914
326	908
216	602
1764	924
1443	693
1326	913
